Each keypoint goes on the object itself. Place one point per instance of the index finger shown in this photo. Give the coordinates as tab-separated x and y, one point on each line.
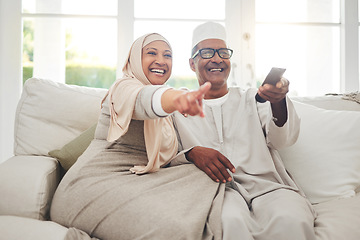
203	89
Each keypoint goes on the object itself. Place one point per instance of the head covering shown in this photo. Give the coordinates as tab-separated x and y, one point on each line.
133	64
208	30
160	137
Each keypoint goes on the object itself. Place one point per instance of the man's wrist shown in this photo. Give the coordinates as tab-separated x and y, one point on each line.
187	155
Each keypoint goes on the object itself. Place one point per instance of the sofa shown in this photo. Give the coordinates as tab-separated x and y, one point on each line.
55	123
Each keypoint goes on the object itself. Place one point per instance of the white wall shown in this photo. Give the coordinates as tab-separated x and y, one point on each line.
349	46
10	72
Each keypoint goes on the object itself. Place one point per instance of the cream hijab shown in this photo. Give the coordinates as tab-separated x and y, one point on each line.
160	137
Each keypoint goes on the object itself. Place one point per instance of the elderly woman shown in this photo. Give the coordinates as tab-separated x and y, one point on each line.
122	187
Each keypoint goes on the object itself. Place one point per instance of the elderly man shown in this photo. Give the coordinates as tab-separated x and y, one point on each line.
235	144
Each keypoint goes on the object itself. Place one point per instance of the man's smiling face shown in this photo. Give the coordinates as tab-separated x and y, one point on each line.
214	70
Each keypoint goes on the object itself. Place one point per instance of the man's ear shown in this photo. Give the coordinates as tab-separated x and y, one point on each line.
192	64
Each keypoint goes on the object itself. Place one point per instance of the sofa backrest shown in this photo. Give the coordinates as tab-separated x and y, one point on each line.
330	102
50	114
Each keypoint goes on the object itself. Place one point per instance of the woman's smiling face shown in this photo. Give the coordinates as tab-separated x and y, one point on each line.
157	62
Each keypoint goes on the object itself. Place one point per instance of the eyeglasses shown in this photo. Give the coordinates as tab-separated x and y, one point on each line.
208	53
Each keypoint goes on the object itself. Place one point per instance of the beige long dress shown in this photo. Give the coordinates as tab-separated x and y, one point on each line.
100	196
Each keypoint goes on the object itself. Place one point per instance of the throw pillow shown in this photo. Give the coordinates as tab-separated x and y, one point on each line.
50	114
71	151
325	160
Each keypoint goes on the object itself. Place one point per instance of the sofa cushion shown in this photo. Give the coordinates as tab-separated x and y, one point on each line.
338	219
69	153
51	114
28	186
30	229
325	160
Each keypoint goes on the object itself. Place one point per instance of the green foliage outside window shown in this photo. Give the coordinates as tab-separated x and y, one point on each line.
27	73
180	82
91	76
103	77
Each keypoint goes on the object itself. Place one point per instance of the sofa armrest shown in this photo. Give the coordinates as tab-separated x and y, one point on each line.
27	186
30	229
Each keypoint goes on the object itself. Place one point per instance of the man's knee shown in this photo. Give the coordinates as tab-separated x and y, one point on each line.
233	218
235	225
294	223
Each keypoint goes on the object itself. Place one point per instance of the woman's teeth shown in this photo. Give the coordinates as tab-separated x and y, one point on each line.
160	71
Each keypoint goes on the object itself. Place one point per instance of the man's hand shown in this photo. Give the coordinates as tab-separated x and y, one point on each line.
274	94
212	162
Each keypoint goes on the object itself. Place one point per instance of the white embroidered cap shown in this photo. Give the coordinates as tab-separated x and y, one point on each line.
208	30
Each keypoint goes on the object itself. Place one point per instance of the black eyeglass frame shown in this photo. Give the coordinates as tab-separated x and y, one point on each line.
215	50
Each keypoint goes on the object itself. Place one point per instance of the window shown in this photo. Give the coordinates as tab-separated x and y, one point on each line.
304	37
176	22
86	41
316	40
75	41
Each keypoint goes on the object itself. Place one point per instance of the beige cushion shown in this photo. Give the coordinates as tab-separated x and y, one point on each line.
30	229
325	160
51	114
338	219
69	153
27	186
